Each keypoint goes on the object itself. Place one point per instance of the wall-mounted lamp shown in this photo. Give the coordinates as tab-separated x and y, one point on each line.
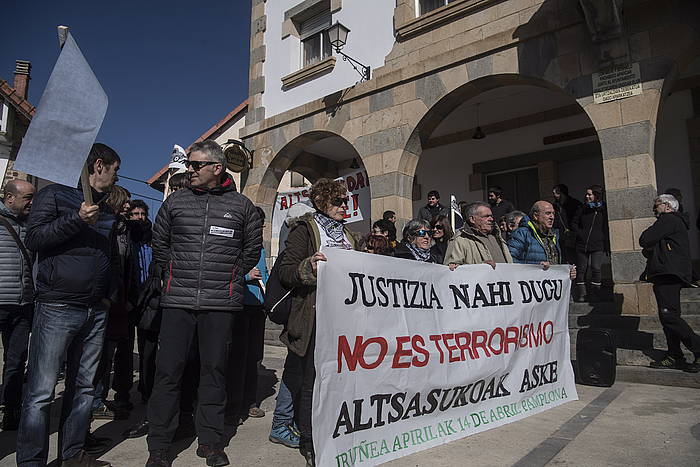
338	36
478	132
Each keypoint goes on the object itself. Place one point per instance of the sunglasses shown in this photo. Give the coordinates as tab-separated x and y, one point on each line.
439	227
422	233
197	165
340	201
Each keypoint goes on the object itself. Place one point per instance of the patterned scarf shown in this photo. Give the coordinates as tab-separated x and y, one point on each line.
549	243
332	227
419	253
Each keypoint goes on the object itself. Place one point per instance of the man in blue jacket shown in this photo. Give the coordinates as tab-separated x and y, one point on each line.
536	241
77	256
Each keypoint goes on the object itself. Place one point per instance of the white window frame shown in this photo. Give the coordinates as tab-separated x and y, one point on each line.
4	116
319	30
419	11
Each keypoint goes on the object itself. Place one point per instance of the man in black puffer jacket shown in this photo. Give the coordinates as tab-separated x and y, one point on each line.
667	249
75	281
206	239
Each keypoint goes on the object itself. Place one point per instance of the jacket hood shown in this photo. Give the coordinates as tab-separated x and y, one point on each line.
4	211
524	221
296	212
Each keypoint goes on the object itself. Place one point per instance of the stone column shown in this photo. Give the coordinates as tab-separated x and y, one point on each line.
626	130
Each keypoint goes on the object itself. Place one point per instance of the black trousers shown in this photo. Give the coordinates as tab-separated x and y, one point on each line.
148	346
15	325
211	332
583	260
123	378
668	297
246	351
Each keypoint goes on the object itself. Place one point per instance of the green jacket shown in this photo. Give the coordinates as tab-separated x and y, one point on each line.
468	248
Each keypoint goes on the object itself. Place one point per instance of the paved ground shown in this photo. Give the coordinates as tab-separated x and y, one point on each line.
628	424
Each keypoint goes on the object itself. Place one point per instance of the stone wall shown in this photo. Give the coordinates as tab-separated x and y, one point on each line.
486	44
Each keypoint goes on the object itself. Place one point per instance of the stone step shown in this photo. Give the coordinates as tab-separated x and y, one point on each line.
636	348
642	323
690	294
687	308
646	375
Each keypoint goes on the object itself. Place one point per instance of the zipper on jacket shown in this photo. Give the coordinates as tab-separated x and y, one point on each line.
585	247
201	253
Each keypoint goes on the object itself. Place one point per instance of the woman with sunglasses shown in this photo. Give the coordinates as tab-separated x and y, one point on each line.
442	233
322	228
416	243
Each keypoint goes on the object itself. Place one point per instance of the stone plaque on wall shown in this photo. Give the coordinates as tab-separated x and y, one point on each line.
617	83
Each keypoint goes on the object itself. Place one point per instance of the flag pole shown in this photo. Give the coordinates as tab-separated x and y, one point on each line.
84	174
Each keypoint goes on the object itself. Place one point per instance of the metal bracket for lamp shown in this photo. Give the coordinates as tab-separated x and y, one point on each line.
338	36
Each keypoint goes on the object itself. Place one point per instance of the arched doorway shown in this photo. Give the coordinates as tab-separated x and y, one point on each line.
534	136
522	134
302	161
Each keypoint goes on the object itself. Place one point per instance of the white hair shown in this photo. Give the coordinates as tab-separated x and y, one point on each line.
668	200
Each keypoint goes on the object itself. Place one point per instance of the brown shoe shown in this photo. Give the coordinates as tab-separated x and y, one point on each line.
256	412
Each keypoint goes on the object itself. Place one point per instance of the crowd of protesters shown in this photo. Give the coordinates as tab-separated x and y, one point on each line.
83	283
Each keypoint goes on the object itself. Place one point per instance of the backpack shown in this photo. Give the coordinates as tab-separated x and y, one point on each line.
278	298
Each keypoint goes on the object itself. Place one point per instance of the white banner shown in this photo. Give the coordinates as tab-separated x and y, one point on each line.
412	355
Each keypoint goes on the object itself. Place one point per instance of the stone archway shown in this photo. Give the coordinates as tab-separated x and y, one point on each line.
315	154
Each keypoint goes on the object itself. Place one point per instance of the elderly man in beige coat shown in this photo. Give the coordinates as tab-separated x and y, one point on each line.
479	241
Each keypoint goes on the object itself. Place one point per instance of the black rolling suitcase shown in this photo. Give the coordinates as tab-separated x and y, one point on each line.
596	357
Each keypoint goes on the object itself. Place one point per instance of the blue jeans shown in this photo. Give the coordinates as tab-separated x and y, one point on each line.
58	330
290	387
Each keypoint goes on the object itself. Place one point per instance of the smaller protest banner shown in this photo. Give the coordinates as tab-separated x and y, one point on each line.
455	214
66	122
178	158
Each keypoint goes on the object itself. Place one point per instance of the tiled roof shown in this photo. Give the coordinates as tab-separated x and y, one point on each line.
217	126
21	104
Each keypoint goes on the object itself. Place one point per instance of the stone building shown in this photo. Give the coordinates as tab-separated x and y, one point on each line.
565	91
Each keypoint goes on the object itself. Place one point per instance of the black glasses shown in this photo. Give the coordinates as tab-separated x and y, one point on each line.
423	233
439	227
339	201
197	165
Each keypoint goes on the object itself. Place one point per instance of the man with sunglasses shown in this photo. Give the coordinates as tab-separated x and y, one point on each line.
206	237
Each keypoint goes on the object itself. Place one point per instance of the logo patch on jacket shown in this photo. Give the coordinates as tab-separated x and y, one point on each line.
221	231
228	215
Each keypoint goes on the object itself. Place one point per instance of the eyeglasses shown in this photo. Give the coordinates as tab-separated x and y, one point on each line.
439	227
197	165
339	201
422	233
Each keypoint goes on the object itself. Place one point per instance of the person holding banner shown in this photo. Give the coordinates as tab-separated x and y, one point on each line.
442	234
323	228
536	241
416	242
479	241
75	284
